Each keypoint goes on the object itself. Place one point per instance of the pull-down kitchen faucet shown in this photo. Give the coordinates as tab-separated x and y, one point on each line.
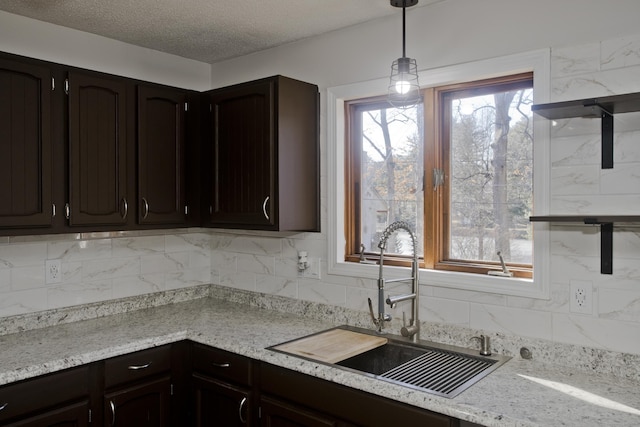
413	328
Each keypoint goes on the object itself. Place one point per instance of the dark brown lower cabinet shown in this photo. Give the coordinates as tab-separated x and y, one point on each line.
140	405
187	384
345	406
275	413
44	402
138	389
220	404
222	387
73	415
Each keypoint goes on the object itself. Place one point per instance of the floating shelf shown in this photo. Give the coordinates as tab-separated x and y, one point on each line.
606	231
603	108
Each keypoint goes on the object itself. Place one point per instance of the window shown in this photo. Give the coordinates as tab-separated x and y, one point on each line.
458	168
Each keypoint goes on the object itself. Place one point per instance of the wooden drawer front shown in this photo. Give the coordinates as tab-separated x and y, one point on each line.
135	366
221	364
43	392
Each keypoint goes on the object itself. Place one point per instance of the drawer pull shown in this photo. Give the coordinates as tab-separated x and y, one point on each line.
4	405
221	365
113	412
145	208
243	402
264	208
126	208
138	367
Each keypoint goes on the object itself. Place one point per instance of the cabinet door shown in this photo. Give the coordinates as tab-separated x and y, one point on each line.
42	401
76	415
140	405
161	155
25	145
97	150
220	404
242	191
274	413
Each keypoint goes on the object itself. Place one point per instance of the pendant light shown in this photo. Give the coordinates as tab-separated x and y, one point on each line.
404	89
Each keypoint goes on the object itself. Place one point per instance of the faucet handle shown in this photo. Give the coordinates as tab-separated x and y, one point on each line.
410	329
373	316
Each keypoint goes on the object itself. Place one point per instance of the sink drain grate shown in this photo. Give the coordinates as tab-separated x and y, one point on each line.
440	371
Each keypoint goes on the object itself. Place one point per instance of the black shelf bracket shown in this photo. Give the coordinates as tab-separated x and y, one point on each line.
606	248
607	140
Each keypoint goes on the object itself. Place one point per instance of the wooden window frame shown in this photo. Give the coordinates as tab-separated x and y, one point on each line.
436	203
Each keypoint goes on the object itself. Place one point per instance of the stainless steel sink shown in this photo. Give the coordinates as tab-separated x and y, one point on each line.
434	368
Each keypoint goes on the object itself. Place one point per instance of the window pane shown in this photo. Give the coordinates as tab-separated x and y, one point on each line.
391	176
491	173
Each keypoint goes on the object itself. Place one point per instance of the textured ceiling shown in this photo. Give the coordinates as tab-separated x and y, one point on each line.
205	30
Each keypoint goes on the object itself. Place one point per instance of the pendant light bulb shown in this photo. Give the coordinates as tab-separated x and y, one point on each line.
403	81
403	87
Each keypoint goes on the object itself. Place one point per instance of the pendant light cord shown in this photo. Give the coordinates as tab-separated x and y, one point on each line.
404	32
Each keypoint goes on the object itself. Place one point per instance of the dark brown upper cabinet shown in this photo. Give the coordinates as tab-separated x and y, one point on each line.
161	155
25	145
98	172
264	156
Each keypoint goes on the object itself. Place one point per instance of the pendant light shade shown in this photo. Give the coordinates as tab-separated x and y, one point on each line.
404	88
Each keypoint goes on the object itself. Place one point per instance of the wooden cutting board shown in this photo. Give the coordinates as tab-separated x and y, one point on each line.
332	346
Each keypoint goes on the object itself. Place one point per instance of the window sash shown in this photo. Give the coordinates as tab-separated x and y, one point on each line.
436	203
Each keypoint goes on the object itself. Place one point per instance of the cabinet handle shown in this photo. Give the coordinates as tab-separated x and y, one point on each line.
67	211
221	365
4	405
145	208
113	412
264	208
243	402
138	367
125	205
53	210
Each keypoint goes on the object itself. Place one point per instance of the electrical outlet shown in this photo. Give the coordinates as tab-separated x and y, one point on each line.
53	271
313	269
581	297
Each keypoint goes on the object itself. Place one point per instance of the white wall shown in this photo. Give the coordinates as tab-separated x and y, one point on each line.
595	48
451	32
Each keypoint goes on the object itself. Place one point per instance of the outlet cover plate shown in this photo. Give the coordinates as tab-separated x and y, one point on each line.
581	297
53	271
313	269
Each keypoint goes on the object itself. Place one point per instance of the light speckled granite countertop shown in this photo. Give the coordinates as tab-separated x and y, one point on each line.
520	393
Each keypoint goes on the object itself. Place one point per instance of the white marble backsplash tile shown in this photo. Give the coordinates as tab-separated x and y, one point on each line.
620	53
70	294
100	267
138	246
619	304
81	250
22	254
576	180
571	60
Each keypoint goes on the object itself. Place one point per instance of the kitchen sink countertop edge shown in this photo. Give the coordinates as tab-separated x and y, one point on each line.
520	393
